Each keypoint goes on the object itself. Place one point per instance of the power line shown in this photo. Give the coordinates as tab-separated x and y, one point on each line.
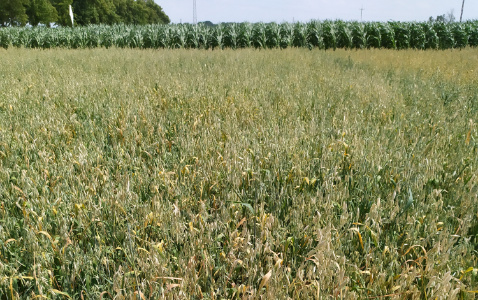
462	6
361	13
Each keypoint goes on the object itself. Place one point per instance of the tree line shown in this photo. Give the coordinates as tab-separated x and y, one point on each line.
48	12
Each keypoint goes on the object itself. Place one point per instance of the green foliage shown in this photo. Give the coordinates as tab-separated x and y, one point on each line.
460	35
259	36
300	35
472	31
4	39
330	35
431	36
374	35
245	35
402	34
344	35
231	36
314	34
387	35
273	35
359	35
287	35
445	35
417	36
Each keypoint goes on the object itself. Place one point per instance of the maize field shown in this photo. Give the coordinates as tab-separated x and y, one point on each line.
314	34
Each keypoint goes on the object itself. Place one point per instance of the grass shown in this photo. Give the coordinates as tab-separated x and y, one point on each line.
238	174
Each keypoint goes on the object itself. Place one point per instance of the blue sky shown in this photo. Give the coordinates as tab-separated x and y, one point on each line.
305	10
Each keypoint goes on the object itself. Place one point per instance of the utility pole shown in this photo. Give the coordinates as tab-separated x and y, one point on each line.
195	16
462	6
361	13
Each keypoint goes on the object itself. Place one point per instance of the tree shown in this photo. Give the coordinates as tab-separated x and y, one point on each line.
157	14
140	12
41	12
450	16
62	8
441	19
13	12
95	12
35	12
122	10
107	12
85	12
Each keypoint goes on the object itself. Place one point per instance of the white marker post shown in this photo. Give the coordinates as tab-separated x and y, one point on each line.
71	17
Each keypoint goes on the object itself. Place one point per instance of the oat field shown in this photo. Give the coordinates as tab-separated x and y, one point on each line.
246	174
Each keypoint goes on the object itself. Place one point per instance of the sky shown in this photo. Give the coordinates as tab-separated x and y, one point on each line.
218	11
